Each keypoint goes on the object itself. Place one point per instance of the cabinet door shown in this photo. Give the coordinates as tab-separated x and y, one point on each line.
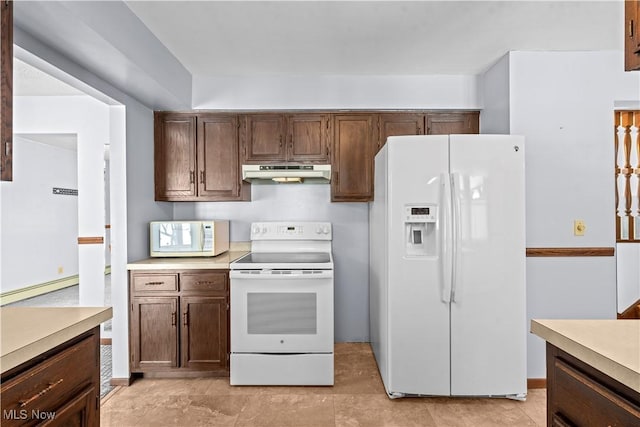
452	123
308	138
632	35
264	138
204	332
175	156
83	410
6	91
396	124
219	175
154	332
353	148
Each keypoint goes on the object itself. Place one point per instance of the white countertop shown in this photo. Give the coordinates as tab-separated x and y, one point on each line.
27	332
610	346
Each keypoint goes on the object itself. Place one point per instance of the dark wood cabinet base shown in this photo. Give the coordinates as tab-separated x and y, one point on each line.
580	395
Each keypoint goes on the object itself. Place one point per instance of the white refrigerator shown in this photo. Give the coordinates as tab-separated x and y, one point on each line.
447	266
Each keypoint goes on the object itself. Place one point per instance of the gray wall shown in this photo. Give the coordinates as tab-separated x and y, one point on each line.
563	102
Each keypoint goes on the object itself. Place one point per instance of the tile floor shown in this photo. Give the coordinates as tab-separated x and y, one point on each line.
356	399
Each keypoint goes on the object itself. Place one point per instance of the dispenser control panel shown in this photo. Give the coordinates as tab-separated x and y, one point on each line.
420	214
420	230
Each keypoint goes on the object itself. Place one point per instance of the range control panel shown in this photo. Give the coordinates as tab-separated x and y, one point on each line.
291	231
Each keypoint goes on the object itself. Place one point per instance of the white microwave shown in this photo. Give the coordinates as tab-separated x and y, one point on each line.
188	238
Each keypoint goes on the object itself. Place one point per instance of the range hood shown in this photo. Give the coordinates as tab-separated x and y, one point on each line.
287	174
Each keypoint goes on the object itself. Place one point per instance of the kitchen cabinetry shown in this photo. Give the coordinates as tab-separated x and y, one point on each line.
632	35
296	138
58	388
198	154
396	124
179	321
6	92
197	158
352	157
580	395
452	123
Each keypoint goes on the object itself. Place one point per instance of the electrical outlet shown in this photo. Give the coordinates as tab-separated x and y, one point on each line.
579	227
60	270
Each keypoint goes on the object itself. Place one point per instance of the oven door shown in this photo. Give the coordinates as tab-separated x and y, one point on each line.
281	311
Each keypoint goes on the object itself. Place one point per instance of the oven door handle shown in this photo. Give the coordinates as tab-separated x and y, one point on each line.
280	274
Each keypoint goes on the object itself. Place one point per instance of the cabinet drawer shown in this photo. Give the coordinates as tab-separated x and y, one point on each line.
155	282
582	400
49	385
209	282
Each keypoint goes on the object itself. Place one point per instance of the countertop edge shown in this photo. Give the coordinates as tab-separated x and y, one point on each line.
35	348
610	367
220	262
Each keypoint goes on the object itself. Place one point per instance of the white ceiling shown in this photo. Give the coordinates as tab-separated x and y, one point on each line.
222	38
372	37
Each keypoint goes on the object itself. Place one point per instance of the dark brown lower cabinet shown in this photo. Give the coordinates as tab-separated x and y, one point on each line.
154	334
58	388
204	317
182	328
580	395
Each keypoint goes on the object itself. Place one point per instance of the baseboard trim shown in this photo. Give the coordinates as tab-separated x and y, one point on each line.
39	289
536	383
120	382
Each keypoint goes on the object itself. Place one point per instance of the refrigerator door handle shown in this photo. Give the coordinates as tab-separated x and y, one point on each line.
456	231
445	237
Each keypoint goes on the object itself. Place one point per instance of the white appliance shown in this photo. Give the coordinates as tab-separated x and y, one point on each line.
315	174
447	266
282	306
188	238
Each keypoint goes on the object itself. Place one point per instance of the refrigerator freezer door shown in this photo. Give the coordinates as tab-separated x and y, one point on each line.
418	318
488	313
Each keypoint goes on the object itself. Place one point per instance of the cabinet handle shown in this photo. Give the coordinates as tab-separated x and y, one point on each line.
631	28
201	177
204	283
24	403
173	319
192	177
337	178
185	318
154	283
280	145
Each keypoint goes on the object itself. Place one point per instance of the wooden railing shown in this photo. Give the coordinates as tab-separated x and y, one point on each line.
627	174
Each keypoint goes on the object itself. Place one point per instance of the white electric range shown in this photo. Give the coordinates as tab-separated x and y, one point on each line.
282	306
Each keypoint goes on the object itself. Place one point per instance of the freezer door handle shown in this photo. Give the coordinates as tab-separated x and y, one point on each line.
445	237
456	232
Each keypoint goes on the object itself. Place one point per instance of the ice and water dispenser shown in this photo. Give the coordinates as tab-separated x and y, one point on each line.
420	230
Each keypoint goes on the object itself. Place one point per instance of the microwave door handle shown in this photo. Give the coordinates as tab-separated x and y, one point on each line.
201	236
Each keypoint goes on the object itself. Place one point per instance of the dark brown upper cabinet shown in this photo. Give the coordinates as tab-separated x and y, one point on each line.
264	139
632	35
6	91
396	124
197	158
295	138
453	123
308	138
353	151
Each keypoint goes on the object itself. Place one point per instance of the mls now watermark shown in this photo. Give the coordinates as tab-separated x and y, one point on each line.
23	414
